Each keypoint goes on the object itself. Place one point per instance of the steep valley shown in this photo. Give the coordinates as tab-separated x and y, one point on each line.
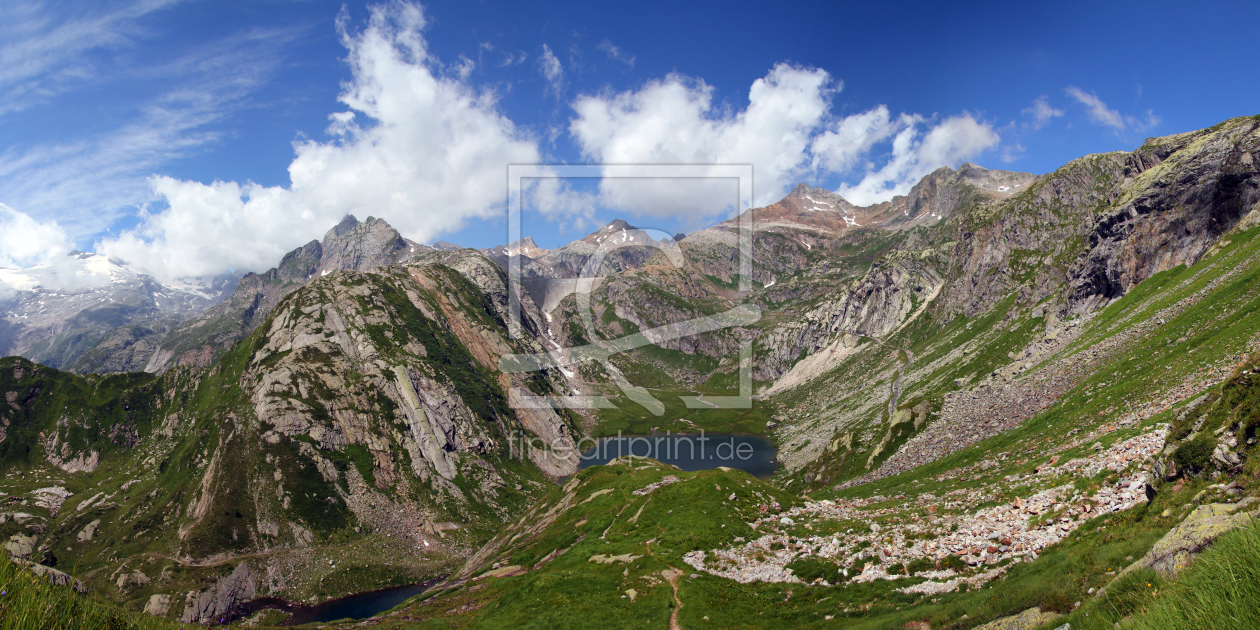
1000	392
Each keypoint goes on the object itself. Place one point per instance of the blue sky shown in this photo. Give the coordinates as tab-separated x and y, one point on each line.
192	137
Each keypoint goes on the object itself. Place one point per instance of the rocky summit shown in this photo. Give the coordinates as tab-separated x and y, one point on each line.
1002	400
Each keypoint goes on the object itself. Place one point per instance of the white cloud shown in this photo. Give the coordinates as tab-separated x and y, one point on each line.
1098	110
44	48
464	68
952	141
25	242
787	133
616	53
1041	112
838	149
421	146
675	121
416	146
513	58
551	70
92	182
1012	152
1100	113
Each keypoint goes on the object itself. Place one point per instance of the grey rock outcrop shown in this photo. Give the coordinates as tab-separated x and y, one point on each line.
1205	524
159	605
1183	192
1031	618
20	545
218	600
350	245
55	577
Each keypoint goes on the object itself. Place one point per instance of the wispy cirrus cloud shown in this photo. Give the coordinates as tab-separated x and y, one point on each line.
93	181
1102	114
550	68
46	47
616	53
1041	112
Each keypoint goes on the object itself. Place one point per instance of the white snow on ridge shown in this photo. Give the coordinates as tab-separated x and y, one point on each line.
87	272
71	274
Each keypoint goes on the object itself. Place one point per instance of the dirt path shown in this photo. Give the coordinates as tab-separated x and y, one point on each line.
671	575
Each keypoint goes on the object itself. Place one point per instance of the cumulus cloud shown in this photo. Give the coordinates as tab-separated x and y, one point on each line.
787	133
551	70
1041	112
1100	113
616	53
675	121
839	148
915	154
419	145
25	242
415	145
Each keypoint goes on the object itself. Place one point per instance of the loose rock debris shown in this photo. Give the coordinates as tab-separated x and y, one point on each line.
983	539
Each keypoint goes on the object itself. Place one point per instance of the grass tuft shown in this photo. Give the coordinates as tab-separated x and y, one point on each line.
30	602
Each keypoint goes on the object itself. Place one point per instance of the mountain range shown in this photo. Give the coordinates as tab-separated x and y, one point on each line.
1001	396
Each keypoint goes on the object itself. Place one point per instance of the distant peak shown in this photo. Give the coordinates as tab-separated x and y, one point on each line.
347	223
810	199
618	224
523	247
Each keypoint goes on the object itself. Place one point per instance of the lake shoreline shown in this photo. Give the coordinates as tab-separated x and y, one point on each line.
310	613
752	453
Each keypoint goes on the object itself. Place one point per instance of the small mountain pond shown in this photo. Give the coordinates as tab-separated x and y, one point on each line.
688	451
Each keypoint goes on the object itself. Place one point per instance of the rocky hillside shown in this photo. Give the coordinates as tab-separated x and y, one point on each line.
89	313
1000	392
1036	410
364	418
350	245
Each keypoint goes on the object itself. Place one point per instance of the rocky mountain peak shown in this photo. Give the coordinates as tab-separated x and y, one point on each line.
809	199
617	226
351	245
524	247
363	245
347	223
1002	182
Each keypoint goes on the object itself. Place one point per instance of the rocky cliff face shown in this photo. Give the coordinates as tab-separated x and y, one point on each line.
366	412
349	245
351	397
1179	195
876	305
